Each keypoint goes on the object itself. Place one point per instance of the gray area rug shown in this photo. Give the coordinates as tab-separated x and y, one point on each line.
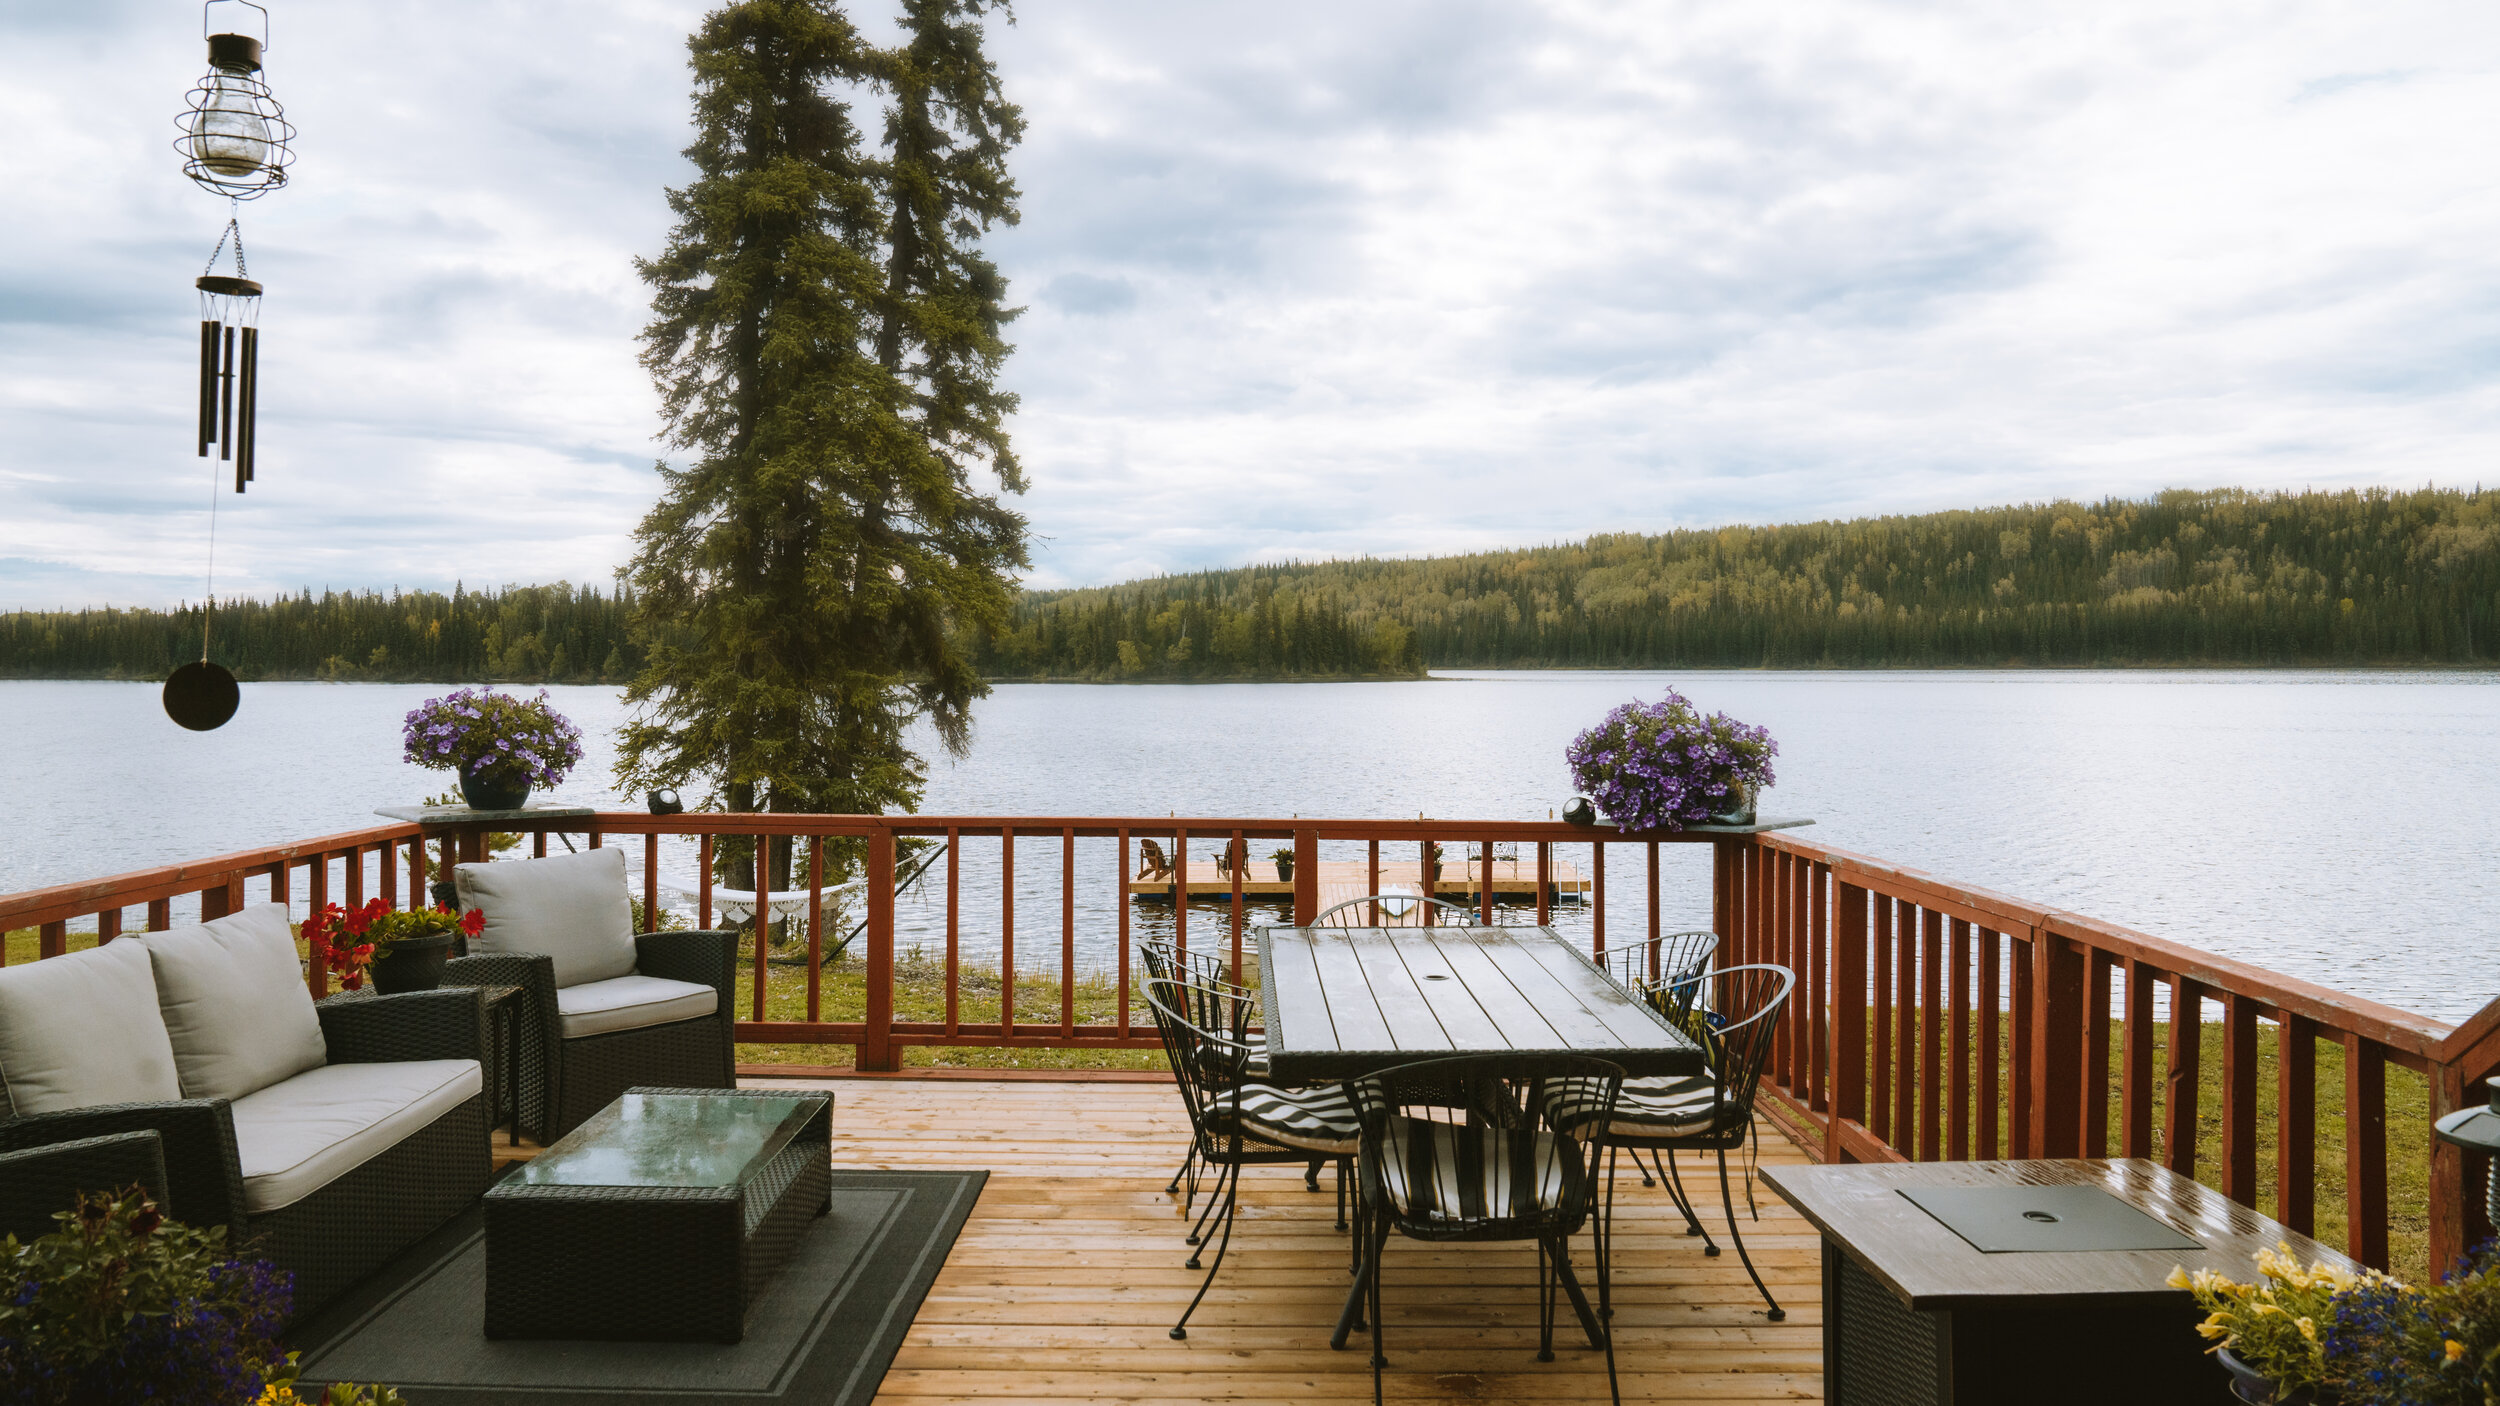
821	1334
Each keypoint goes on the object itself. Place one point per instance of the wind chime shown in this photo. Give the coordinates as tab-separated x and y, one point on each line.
235	143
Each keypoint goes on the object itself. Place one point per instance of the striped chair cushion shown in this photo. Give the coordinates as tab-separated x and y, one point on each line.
1315	1120
1649	1108
1452	1172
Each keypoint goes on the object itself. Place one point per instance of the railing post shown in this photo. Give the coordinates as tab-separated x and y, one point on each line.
1849	996
2056	1053
2181	1086
2296	1128
2365	1152
2239	1099
877	1052
2452	1219
1306	877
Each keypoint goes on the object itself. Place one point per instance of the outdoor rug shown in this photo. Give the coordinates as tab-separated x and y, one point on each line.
821	1334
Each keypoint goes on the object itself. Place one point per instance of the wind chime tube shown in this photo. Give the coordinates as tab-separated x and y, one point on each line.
208	385
247	432
225	387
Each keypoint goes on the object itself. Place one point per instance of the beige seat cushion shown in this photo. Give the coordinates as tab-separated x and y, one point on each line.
233	997
297	1137
571	907
81	1030
630	1003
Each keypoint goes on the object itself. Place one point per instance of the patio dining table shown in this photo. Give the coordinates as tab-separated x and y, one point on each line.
1339	1003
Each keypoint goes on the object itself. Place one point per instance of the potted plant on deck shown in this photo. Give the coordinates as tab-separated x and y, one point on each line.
400	949
1282	857
1663	765
500	746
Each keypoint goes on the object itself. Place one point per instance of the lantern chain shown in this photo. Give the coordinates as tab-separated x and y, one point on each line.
233	230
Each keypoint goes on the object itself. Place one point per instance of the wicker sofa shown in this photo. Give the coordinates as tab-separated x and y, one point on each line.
605	1010
328	1137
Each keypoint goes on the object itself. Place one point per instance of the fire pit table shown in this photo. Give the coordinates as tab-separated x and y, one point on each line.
2040	1282
662	1218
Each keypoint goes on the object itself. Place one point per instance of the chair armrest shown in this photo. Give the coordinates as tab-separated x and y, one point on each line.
533	973
445	1024
39	1183
203	1175
707	958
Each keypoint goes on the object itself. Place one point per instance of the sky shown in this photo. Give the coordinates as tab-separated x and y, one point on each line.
1300	280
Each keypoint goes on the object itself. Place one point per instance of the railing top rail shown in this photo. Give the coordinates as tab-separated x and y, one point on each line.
634	822
82	896
2392	1026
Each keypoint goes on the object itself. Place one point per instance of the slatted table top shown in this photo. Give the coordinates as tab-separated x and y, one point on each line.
1340	1002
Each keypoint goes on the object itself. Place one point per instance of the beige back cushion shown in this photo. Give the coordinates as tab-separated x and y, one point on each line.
81	1030
235	1005
571	907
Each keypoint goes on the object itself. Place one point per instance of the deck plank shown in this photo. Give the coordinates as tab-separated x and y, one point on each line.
1070	1271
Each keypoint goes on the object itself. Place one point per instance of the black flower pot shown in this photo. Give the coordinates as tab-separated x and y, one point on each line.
2255	1387
492	793
415	964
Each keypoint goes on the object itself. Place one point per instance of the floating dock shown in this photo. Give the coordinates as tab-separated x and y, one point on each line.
1514	881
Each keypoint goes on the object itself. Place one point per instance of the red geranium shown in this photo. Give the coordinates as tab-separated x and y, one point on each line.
381	927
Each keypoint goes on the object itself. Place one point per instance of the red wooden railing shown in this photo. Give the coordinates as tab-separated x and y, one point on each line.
1931	1020
1934	1012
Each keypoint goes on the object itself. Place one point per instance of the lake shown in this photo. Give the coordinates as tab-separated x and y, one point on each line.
2335	826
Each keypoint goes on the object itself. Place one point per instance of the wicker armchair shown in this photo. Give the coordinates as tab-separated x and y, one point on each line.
565	1080
575	1060
186	1148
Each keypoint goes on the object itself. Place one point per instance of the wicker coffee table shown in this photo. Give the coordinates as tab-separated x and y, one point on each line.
661	1218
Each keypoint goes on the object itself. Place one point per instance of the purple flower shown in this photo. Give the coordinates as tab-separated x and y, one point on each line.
1662	766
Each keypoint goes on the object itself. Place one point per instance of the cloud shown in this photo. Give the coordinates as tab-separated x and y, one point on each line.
1301	279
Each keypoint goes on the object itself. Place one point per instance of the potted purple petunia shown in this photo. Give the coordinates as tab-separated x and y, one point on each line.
500	745
1663	765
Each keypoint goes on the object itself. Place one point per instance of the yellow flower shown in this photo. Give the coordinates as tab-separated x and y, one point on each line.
2308	1330
2456	1350
2178	1277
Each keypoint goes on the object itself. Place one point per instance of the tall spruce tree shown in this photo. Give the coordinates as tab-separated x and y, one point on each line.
825	336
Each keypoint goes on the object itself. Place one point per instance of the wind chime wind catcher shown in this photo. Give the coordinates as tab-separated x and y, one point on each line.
235	143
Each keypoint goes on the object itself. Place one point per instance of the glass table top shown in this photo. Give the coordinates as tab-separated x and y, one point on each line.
685	1140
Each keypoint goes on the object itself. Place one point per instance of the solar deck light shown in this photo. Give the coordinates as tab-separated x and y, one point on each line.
2478	1130
664	802
1579	812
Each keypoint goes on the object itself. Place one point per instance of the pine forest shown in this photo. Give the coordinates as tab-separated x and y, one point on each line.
2185	578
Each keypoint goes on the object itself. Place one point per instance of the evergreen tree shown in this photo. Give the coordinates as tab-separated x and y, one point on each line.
807	586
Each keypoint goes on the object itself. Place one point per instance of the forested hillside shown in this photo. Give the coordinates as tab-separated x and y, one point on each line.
2224	577
531	634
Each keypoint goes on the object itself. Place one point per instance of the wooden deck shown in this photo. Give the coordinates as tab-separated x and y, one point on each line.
1070	1273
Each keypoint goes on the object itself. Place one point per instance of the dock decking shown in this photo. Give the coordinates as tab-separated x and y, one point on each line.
1341	879
1069	1274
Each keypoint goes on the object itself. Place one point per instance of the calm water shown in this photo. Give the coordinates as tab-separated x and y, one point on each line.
2335	826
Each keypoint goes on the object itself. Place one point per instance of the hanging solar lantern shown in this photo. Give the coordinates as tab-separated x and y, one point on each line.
235	142
235	136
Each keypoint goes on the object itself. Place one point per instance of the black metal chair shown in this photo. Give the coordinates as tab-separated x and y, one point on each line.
1167	961
1711	1112
1650	966
1234	1121
1494	1147
1464	916
1656	971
